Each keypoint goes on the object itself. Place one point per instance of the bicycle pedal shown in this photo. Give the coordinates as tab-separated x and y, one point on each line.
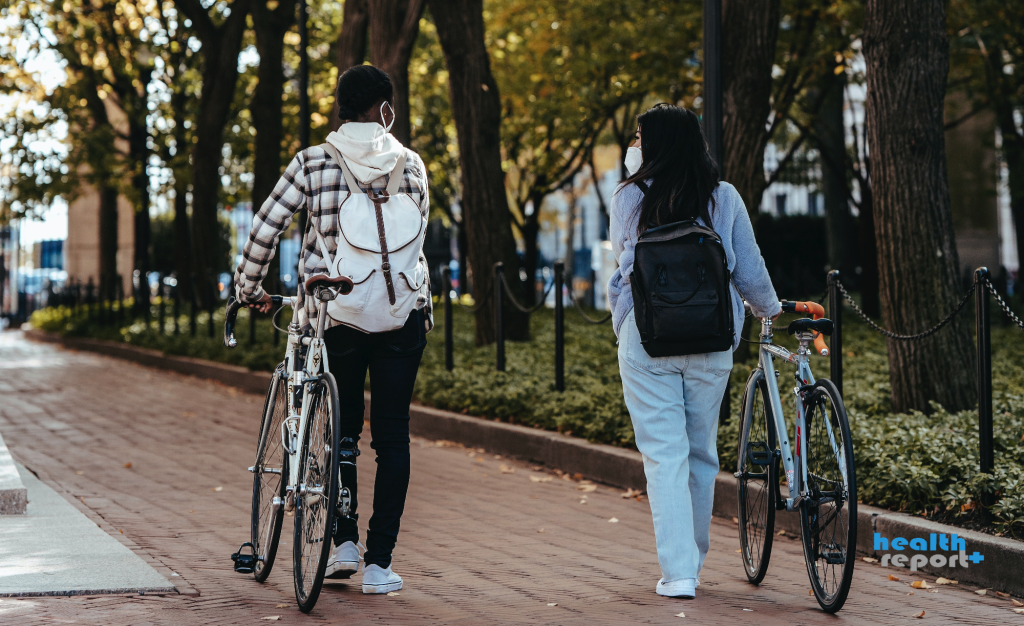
834	558
245	563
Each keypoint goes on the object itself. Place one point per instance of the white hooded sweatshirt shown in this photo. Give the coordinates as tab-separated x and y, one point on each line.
370	151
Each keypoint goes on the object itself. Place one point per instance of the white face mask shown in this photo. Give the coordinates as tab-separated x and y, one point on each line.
387	129
634	159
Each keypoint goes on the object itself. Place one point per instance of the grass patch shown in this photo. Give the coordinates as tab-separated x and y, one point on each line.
923	464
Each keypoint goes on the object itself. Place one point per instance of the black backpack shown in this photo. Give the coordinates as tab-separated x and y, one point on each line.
681	295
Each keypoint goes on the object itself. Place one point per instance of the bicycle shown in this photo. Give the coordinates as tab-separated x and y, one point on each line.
819	472
299	450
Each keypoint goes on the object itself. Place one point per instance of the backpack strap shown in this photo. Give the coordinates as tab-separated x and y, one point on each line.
353	185
397	174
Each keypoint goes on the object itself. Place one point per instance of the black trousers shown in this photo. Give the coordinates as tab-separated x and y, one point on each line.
392	358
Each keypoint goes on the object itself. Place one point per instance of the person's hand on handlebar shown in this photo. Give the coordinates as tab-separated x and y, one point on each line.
262	305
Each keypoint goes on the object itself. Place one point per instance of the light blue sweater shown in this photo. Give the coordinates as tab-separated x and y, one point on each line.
750	280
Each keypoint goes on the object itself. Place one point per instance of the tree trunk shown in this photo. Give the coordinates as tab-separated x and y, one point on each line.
266	110
139	149
1012	148
351	44
108	240
830	131
476	109
531	251
870	299
906	51
220	48
394	26
749	33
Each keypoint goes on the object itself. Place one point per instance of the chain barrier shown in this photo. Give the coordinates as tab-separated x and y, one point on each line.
579	309
1003	305
515	303
891	335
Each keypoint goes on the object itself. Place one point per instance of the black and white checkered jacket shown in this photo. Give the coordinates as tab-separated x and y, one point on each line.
313	181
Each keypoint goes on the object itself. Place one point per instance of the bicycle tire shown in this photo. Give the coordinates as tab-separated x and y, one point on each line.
267	485
318	477
757	484
830	479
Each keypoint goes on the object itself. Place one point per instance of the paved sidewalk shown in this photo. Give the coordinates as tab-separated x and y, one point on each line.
477	546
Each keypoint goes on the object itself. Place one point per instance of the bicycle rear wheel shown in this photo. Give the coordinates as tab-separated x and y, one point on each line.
268	483
317	491
757	478
828	514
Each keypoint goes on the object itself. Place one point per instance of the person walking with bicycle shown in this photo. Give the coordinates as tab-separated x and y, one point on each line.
367	202
686	253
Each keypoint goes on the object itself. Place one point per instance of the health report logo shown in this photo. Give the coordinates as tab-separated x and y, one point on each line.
936	544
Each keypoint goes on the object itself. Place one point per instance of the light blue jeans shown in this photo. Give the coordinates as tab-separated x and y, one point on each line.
674	404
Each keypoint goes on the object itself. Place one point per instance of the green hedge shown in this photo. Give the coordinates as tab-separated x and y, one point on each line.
924	464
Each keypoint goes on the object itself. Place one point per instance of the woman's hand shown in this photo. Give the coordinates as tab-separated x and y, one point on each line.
262	305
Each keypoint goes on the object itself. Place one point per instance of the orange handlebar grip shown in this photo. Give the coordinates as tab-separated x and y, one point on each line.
816	310
819	345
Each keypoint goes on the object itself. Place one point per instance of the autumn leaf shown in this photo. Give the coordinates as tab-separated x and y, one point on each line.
868	559
552	604
128	465
680	614
1017	602
586	488
920	615
540	479
1002	595
1019	611
632	493
981	592
506	469
272	618
393	593
920	584
613	520
281	606
945	581
891	577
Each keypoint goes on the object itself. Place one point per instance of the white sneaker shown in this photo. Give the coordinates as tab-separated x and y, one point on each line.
343	562
682	588
376	579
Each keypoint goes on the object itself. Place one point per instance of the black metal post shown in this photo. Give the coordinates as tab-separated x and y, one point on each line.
559	327
119	293
835	312
210	306
162	290
499	318
176	306
446	286
193	305
252	327
985	455
712	90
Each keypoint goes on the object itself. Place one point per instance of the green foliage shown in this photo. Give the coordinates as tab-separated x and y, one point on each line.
924	464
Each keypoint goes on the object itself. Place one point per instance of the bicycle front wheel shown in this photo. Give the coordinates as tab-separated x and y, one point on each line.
317	491
828	514
268	483
757	478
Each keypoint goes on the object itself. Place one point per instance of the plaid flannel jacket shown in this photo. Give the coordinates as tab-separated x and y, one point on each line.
313	181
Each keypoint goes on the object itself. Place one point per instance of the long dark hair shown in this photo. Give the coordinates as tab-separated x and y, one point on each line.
677	168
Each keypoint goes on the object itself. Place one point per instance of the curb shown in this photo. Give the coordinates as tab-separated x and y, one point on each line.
13	494
613	466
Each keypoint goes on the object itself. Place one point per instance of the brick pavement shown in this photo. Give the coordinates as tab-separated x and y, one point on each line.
478	546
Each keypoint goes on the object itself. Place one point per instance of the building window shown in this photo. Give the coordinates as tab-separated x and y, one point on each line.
780	204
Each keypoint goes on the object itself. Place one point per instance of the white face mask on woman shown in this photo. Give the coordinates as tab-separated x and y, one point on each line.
634	159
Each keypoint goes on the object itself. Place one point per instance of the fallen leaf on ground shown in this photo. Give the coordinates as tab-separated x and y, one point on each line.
393	593
120	530
540	479
79	473
552	604
738	550
920	584
751	610
920	615
586	488
540	530
810	592
613	520
188	414
781	532
1002	595
272	618
497	457
945	581
981	592
218	488
281	606
868	559
1017	602
632	493
680	614
1019	611
479	459
736	521
891	577
472	454
911	593
506	469
128	465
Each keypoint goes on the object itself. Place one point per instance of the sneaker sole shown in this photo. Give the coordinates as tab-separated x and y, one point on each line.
384	588
685	596
341	569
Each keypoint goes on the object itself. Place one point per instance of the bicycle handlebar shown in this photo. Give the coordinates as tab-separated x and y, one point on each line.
231	314
817	312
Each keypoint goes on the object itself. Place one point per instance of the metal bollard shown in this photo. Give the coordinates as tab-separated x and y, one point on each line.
175	307
192	307
162	290
835	312
499	321
559	327
985	455
210	330
446	286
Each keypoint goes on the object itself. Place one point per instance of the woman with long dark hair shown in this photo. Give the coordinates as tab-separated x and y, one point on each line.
674	401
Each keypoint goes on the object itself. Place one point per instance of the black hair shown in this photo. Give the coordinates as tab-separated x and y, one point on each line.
359	88
677	167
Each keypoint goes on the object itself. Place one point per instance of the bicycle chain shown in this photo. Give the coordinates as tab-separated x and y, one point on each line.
921	335
1003	305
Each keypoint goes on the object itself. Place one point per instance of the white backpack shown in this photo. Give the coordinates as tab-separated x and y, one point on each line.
381	238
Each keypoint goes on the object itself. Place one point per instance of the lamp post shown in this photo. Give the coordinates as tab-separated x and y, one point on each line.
712	91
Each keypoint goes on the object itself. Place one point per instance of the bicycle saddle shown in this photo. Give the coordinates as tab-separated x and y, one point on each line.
823	326
343	283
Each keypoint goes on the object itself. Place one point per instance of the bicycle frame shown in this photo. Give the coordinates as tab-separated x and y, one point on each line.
792	458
